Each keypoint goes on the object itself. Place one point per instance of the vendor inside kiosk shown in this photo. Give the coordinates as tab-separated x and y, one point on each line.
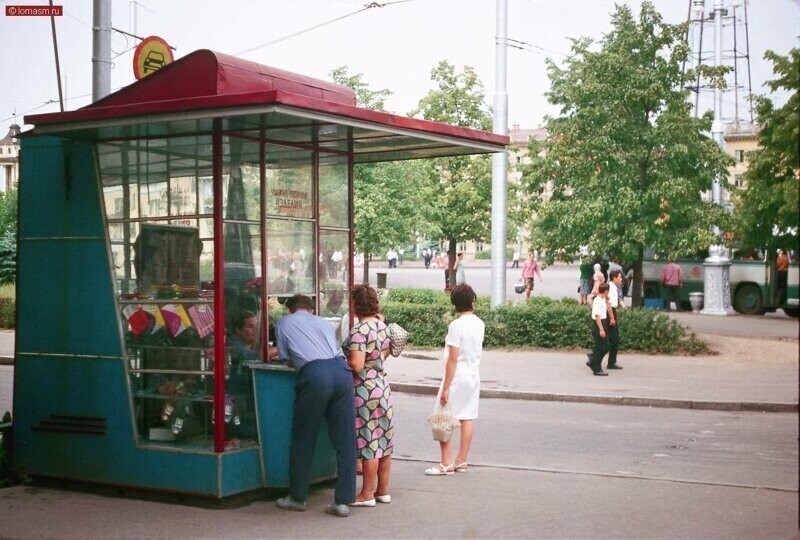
162	229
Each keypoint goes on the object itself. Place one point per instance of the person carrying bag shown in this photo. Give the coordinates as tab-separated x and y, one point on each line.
461	385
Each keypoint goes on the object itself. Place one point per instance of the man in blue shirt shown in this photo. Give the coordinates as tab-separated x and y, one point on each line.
324	389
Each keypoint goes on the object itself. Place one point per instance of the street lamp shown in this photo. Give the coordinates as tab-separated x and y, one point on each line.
716	282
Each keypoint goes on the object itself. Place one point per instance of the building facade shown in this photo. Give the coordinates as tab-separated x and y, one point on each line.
9	159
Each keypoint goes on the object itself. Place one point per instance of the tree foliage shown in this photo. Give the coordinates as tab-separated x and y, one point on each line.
625	161
458	190
8	236
8	211
386	195
767	213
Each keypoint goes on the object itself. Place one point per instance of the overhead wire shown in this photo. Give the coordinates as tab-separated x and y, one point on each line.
371	5
524	46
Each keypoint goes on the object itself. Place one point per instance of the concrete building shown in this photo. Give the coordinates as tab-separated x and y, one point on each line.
740	139
9	159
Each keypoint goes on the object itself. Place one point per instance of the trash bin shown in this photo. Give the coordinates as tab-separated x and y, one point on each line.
381	280
696	301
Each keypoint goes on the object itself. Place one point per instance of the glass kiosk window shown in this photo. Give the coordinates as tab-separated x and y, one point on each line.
159	204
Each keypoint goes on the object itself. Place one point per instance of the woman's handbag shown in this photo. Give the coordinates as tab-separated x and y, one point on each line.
519	288
398	337
443	423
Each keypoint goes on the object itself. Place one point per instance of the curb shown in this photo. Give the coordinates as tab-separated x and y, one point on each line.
733	406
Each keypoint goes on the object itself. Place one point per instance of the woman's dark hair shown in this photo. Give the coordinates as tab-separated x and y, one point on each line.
365	301
603	287
240	319
462	297
300	301
613	274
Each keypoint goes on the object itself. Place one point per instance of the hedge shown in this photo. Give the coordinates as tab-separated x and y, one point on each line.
541	323
7	304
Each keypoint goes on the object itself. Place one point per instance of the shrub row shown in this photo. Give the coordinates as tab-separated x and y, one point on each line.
7	312
541	323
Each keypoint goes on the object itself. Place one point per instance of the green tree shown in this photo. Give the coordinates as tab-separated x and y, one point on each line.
458	190
625	161
386	195
767	213
8	236
8	211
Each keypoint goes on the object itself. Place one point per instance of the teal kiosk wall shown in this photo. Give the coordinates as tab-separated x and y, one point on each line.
152	223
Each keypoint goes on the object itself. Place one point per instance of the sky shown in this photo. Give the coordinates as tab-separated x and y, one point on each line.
394	46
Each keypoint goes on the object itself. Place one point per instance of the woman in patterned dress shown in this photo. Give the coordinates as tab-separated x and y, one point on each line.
367	349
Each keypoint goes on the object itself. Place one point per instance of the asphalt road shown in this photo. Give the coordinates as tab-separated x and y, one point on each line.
749	450
540	470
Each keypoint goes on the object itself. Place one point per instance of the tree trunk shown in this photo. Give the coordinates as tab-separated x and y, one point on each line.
636	295
451	259
365	275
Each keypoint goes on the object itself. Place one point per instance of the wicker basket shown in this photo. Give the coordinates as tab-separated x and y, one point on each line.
442	425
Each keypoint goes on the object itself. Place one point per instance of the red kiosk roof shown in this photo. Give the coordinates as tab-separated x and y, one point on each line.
207	85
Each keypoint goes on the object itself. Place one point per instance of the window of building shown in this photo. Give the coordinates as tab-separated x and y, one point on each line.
739	156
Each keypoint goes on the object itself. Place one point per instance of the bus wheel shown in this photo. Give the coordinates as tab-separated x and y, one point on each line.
748	300
792	311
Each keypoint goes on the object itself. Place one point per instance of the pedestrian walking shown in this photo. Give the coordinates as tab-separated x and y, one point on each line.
515	259
529	270
391	258
426	256
599	330
323	391
614	303
461	384
782	275
585	283
446	266
671	283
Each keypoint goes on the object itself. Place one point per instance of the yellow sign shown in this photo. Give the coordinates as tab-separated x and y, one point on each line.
152	54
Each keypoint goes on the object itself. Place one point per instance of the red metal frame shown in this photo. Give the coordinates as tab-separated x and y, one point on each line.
219	295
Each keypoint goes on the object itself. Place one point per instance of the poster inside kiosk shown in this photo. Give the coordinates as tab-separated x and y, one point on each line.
152	54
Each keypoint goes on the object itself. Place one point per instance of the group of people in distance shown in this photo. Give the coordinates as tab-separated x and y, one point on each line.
346	387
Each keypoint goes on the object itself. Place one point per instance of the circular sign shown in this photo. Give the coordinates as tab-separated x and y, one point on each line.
696	272
152	54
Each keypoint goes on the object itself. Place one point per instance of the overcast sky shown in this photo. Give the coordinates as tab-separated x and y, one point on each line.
394	46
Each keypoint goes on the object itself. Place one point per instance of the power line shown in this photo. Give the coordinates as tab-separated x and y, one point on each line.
371	5
524	46
49	102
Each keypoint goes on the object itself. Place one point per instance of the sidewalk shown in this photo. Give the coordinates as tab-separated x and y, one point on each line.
747	374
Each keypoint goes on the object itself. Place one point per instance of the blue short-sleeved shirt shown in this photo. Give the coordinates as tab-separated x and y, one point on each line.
302	338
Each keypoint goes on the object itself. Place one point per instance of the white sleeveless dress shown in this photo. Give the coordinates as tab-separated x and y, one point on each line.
465	333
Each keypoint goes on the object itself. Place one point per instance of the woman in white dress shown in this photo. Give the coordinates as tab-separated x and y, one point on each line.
461	385
459	269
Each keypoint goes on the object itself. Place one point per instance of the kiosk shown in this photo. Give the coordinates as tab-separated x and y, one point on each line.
161	229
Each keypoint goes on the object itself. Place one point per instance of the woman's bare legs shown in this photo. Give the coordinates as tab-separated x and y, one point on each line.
447	452
466	441
384	471
369	480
